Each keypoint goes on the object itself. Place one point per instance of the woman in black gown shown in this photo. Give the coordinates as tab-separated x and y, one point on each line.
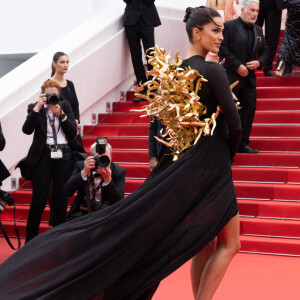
60	66
126	250
289	51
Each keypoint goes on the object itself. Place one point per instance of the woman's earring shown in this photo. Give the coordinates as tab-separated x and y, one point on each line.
198	39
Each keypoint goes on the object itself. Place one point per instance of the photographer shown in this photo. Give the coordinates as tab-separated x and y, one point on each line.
50	155
97	187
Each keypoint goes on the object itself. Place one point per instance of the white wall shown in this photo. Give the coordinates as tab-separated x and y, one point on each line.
31	25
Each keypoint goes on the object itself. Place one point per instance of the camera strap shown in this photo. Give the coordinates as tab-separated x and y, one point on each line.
94	188
16	231
52	121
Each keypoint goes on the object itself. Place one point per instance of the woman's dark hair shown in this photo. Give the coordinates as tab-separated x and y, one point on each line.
56	57
198	17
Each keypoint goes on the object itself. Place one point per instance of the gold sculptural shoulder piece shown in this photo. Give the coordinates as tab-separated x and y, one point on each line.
173	98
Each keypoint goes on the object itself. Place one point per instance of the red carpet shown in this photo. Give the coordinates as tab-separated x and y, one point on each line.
249	277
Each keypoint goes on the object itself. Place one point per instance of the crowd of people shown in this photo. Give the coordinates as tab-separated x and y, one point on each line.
113	247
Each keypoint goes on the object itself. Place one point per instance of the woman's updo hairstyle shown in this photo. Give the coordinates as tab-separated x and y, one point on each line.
56	57
198	17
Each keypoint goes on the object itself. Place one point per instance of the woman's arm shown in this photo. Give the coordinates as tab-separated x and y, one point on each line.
76	104
228	10
218	81
68	125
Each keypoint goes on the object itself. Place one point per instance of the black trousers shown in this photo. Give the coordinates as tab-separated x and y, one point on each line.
271	16
47	169
246	94
136	33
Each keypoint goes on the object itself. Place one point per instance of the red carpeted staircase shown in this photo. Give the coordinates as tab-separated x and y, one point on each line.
267	184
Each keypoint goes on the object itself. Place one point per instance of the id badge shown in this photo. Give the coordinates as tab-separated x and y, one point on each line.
56	154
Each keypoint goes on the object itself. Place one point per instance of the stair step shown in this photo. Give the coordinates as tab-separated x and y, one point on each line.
270	227
127	106
277	117
274	175
273	130
281	92
267	245
278	104
118	142
22	213
278	192
268	159
117	130
10	228
123	117
275	144
275	81
269	209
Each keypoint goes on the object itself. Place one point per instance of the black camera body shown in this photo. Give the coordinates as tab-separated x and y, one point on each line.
52	99
101	160
5	199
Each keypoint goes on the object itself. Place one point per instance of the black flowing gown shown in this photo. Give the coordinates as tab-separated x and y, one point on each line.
289	50
124	251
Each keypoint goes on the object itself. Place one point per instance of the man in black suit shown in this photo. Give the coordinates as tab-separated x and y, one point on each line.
95	189
140	18
270	12
245	50
3	170
156	149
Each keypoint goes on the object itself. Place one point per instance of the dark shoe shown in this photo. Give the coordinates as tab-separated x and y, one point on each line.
247	149
269	73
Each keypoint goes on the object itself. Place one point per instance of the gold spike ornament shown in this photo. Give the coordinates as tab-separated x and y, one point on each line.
173	98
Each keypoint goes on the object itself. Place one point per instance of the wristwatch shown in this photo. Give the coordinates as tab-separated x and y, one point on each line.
62	116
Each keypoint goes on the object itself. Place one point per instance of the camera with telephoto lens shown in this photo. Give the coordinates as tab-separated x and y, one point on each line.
5	199
52	99
101	160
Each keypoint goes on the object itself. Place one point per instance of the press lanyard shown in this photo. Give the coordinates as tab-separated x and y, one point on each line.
95	189
52	120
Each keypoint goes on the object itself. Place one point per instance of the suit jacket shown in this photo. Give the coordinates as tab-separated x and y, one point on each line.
234	50
3	170
279	4
111	193
145	8
156	149
37	122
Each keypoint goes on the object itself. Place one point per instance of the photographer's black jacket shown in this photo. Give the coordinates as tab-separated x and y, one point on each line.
111	193
37	122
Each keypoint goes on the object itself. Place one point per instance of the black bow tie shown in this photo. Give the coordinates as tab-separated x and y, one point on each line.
250	26
95	175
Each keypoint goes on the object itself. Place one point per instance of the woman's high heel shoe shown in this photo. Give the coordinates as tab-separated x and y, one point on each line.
280	69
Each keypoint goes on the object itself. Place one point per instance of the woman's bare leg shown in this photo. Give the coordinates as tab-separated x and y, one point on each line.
215	268
198	263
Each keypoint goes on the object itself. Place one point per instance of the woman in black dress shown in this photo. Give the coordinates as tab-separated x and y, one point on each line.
289	51
126	250
60	66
